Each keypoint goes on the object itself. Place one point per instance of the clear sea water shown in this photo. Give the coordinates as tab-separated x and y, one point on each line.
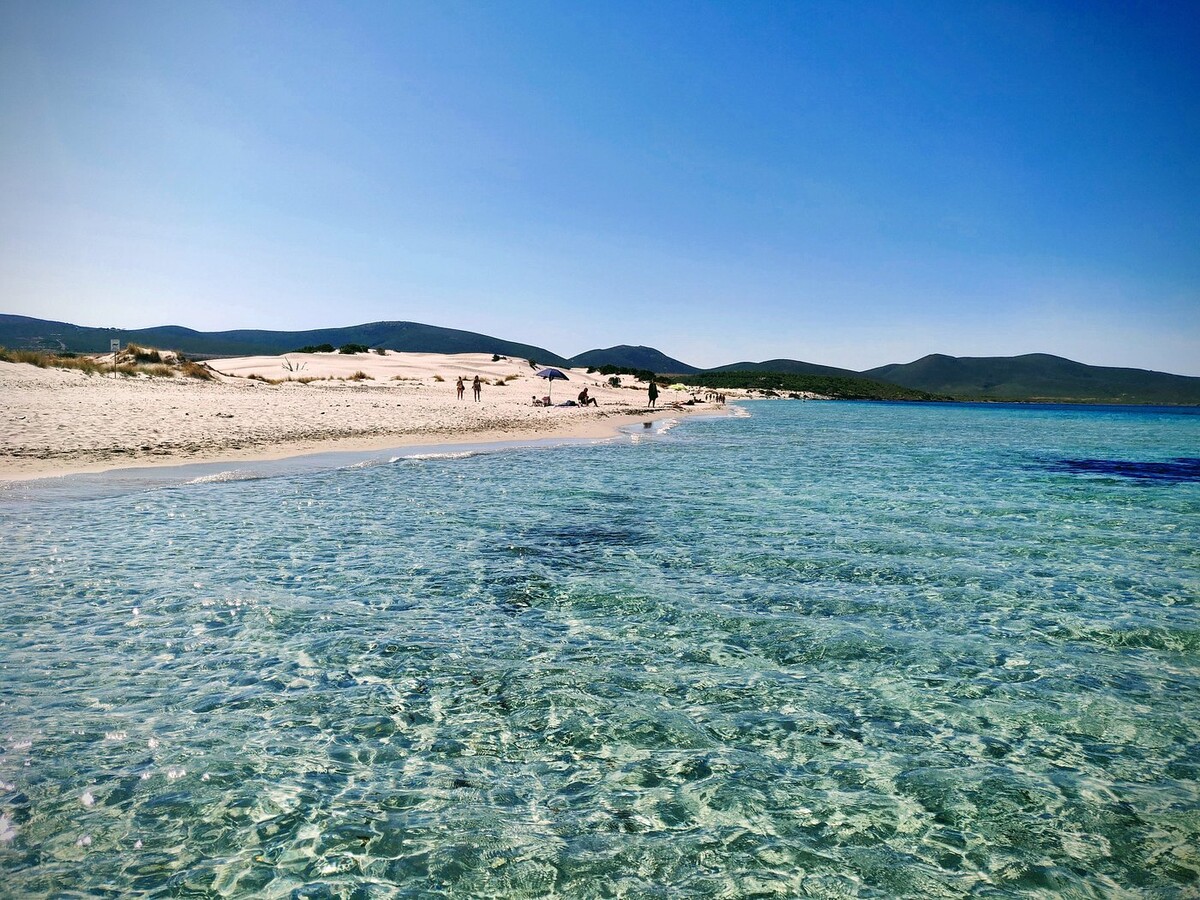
821	650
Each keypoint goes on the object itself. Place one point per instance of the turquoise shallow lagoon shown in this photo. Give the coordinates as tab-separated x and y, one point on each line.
823	650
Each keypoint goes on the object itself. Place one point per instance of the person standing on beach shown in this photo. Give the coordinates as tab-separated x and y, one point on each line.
653	392
476	387
460	387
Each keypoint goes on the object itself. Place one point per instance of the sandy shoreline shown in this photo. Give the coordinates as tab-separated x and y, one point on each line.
61	422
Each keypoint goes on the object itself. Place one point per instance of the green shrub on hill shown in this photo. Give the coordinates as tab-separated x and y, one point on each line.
842	388
640	374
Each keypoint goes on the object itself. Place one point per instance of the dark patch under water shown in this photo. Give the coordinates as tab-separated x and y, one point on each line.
1180	469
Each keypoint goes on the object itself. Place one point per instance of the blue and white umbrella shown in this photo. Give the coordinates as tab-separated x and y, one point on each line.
550	375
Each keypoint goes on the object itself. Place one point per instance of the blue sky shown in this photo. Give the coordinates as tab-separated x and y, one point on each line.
848	184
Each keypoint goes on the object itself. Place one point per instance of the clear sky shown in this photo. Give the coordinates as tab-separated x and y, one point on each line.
850	184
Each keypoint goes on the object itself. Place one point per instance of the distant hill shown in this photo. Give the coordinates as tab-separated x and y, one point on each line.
787	367
1038	376
628	357
19	332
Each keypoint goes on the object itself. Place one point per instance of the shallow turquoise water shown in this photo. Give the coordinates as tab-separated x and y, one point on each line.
827	650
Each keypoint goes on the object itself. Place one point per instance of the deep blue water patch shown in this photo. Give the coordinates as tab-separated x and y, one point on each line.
1180	469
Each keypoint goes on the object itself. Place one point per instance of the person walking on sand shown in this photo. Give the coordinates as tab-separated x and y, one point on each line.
476	387
653	392
460	387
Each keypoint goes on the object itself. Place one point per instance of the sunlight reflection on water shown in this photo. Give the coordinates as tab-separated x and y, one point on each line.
828	649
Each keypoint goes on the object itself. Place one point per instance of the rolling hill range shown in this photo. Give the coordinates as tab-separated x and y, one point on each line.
1037	376
1032	377
20	332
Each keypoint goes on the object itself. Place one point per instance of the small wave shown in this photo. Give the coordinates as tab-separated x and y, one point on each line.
372	463
404	457
457	454
652	428
230	475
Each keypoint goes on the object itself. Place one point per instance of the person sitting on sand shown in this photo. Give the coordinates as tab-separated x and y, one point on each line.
585	400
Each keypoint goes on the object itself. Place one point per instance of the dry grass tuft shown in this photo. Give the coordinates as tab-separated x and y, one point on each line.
360	375
131	361
45	359
142	354
31	357
196	370
438	378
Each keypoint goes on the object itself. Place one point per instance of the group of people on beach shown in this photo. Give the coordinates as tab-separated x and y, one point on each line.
476	387
584	398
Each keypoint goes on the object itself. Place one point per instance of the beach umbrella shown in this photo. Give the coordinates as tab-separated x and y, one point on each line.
550	375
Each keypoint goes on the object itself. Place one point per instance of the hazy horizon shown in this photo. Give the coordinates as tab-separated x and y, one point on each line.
853	186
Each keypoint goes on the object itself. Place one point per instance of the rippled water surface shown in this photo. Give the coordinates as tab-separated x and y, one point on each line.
826	650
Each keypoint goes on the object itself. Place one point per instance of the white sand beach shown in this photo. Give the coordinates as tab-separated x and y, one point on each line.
59	421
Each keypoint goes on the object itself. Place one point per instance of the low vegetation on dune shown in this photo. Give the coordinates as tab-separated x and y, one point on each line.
43	359
191	369
131	362
142	354
840	387
349	349
640	374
